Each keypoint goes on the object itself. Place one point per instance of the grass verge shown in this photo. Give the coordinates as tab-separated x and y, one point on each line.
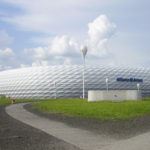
98	110
7	101
4	101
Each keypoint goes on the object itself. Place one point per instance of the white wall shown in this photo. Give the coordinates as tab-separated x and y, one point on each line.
116	95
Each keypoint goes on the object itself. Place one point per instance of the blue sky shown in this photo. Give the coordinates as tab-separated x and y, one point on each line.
46	32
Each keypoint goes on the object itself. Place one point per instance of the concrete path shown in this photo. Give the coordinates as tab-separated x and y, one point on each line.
81	138
141	142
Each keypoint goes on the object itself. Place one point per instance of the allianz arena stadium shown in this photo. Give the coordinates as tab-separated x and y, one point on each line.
66	81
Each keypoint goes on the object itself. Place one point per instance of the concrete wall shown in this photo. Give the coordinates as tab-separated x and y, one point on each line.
116	95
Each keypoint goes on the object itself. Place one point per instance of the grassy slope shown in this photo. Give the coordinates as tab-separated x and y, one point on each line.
99	110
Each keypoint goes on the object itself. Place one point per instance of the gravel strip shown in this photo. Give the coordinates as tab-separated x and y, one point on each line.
113	129
15	135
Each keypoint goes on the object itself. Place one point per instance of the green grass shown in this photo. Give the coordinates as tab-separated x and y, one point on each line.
98	110
81	108
25	100
6	101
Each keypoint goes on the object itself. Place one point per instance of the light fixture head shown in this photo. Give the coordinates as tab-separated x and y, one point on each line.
84	50
106	80
138	84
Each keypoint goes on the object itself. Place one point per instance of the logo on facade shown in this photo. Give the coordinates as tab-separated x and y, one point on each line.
129	80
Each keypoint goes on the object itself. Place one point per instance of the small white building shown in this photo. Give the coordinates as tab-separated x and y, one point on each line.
116	95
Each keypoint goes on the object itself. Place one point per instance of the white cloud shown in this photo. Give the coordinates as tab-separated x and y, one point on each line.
48	16
5	39
66	50
24	65
6	53
63	45
5	67
39	53
7	59
100	31
61	49
40	63
67	61
69	17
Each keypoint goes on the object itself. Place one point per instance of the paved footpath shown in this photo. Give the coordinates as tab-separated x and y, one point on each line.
83	139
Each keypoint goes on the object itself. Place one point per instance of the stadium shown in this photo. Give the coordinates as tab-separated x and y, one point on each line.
66	81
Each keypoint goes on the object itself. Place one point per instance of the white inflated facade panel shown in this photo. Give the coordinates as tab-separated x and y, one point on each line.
38	82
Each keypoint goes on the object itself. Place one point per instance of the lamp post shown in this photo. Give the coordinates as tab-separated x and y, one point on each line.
106	80
55	89
138	86
84	52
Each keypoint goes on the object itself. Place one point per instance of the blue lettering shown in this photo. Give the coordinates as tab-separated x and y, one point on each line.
129	80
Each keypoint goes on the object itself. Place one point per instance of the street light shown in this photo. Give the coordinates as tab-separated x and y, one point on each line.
106	80
84	52
138	86
55	89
